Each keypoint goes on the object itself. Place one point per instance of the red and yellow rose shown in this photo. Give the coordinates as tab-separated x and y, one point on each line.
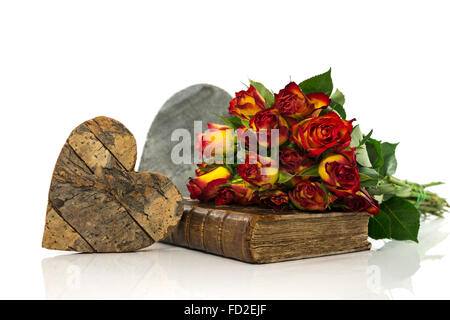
246	103
236	193
275	199
316	135
206	186
318	100
339	172
294	162
258	171
262	124
292	102
225	195
309	195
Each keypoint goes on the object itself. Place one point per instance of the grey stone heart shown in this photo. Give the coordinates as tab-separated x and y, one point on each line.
201	102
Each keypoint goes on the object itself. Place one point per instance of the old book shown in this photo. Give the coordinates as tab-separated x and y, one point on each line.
259	235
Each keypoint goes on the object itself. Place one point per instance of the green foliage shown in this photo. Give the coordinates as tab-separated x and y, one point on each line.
398	219
338	97
382	156
284	177
357	136
362	156
389	160
234	122
245	123
320	83
339	109
366	173
364	140
265	93
311	172
337	103
374	151
380	226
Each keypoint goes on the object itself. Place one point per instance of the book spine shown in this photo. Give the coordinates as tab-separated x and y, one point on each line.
219	232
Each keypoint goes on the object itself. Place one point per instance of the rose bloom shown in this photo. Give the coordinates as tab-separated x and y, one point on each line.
275	199
318	99
258	171
247	103
360	201
315	135
308	195
266	120
293	162
339	172
225	195
236	193
292	102
217	141
206	186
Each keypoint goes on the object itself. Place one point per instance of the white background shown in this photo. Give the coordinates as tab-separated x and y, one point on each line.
63	62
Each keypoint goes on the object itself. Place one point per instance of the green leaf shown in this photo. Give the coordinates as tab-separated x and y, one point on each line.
381	155
210	167
362	156
311	172
265	93
326	192
380	226
398	219
233	121
246	123
364	140
283	176
374	151
368	174
368	183
320	83
385	197
235	180
389	161
379	198
339	109
338	97
357	136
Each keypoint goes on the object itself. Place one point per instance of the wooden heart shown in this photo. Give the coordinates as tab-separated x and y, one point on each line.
97	203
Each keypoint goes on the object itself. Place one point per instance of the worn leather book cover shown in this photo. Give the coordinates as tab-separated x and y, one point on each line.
260	235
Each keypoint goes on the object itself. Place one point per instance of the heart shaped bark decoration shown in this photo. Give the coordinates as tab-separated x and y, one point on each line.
97	203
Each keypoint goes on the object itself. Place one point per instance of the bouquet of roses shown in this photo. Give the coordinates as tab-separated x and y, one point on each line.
296	150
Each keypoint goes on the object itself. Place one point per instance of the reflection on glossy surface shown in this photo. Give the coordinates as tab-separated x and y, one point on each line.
168	272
